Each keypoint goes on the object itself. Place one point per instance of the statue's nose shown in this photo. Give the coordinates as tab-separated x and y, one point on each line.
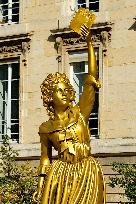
64	93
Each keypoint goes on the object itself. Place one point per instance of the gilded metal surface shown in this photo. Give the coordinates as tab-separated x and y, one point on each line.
75	177
82	17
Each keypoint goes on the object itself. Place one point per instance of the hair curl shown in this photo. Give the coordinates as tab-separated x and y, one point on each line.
47	89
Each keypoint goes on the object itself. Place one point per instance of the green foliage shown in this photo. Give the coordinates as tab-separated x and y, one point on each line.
125	178
17	182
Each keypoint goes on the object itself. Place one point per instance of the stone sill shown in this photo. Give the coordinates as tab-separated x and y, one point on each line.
99	147
8	32
116	146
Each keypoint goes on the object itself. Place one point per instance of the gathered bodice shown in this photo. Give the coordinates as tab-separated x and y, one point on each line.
71	139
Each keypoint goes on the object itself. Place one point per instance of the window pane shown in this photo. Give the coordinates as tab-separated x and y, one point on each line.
3	91
3	127
93	1
4	72
4	11
15	0
79	67
3	111
78	83
96	104
81	1
93	120
15	10
5	102
13	15
15	18
15	89
3	1
14	109
94	123
94	5
3	117
15	137
15	127
78	74
15	70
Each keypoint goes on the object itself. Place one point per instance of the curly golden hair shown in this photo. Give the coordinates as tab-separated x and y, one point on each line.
47	89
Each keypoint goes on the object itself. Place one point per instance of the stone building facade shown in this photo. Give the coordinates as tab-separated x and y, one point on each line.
35	40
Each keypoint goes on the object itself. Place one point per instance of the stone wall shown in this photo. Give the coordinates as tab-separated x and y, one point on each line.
38	20
117	115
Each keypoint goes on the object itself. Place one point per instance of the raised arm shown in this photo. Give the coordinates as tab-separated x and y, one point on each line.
92	65
91	79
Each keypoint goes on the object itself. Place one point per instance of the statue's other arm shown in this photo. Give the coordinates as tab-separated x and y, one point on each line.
90	82
46	156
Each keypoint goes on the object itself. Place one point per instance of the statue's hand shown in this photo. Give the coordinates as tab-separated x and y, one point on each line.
37	196
85	31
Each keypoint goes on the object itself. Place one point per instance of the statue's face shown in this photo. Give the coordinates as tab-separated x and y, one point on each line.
61	95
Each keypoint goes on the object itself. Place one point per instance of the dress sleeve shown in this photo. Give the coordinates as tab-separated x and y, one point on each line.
46	153
87	98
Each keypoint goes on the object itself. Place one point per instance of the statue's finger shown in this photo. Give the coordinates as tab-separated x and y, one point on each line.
86	27
84	31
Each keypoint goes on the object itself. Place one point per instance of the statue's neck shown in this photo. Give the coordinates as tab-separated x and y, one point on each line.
61	114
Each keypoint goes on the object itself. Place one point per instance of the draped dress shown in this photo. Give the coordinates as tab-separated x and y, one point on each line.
75	177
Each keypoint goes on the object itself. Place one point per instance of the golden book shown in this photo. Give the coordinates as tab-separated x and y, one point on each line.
82	17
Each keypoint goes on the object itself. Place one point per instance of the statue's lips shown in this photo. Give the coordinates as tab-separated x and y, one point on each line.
64	99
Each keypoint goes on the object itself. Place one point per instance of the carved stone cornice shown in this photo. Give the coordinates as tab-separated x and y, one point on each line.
80	40
22	36
14	46
103	36
101	33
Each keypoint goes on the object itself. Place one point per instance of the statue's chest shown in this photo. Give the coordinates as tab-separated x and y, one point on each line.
73	132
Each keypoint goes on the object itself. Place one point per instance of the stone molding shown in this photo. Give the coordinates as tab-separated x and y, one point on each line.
99	148
15	46
66	39
103	37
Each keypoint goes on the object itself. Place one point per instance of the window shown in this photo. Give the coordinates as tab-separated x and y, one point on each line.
78	67
9	11
9	99
90	4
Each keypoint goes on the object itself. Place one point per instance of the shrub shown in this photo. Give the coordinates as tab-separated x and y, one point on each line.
125	179
17	182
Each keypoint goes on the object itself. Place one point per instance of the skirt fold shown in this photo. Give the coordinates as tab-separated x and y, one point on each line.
74	183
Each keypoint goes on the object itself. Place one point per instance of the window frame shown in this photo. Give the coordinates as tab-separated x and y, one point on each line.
10	13
7	118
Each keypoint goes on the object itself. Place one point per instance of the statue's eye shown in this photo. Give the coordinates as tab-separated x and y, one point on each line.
66	90
60	90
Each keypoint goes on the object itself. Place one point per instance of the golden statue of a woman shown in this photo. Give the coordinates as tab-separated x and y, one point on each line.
75	177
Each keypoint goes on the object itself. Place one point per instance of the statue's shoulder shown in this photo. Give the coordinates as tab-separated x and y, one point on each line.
45	127
75	109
